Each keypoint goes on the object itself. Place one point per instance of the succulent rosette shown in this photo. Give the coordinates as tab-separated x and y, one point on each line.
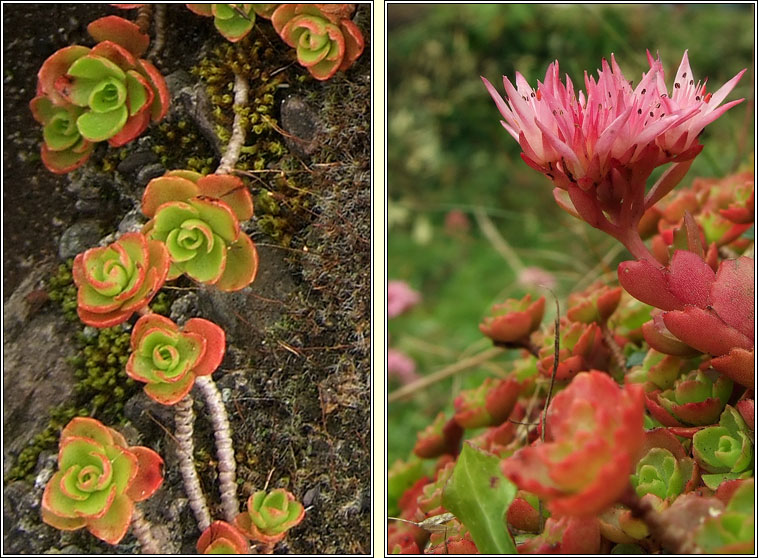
487	405
326	39
270	515
732	531
222	538
430	499
441	437
98	480
581	349
168	359
110	92
595	304
233	21
63	148
514	320
197	218
664	469
695	299
119	279
657	371
696	399
565	535
594	430
724	451
451	538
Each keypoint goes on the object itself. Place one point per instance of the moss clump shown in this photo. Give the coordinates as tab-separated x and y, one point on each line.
101	386
180	145
256	58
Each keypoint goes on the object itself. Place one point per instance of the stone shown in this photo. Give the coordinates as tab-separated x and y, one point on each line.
78	237
301	122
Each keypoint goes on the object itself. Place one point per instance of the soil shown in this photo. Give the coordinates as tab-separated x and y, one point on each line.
296	377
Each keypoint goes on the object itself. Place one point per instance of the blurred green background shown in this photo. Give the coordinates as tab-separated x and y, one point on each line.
447	152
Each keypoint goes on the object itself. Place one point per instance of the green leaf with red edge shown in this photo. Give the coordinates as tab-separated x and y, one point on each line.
241	265
215	345
222	538
479	496
112	526
229	189
166	189
120	31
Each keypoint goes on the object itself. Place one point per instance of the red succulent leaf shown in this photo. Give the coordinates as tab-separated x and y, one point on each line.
514	320
149	474
205	10
690	323
660	338
739	365
229	189
215	345
121	31
221	532
56	66
746	408
159	106
354	43
439	438
116	54
733	294
523	516
647	283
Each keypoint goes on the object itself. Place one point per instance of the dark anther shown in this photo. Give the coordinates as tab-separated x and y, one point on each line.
644	91
697	97
676	85
651	113
639	111
684	75
532	94
692	81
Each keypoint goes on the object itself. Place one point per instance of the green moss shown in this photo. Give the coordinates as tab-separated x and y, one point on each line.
180	145
101	386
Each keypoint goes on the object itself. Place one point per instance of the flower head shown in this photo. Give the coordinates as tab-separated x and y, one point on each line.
119	279
594	431
599	146
98	480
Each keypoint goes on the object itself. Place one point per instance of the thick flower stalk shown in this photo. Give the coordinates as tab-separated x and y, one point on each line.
104	93
324	36
198	219
593	433
99	479
222	538
119	279
168	359
599	147
270	515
